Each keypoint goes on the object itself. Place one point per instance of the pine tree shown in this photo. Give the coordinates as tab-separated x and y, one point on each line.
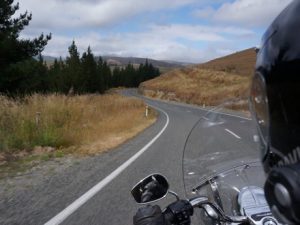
107	76
42	75
116	77
72	72
100	79
55	76
91	79
129	76
13	50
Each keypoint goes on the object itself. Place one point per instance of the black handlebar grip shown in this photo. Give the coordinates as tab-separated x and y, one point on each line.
179	213
169	217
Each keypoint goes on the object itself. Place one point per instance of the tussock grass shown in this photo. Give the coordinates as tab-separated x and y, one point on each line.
197	86
85	124
208	84
241	63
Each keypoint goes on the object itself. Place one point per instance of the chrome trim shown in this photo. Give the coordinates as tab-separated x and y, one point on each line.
198	201
174	194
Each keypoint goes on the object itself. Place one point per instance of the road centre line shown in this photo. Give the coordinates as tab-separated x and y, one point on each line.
229	131
60	217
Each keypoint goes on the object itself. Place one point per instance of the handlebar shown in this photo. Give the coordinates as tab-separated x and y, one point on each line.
201	202
180	211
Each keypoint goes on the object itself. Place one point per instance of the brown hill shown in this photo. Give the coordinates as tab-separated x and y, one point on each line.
197	86
241	63
210	83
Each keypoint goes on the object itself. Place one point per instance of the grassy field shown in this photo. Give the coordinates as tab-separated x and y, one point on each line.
59	124
208	84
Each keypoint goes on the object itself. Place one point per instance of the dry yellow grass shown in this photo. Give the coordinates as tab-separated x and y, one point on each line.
210	83
84	124
197	86
241	63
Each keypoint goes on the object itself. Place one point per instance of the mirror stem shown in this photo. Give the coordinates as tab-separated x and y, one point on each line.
174	194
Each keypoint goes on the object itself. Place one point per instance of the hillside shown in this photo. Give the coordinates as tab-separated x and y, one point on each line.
241	63
209	84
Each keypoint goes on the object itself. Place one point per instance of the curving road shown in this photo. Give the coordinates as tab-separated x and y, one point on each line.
111	203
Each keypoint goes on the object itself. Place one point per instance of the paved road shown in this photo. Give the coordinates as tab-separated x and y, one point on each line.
113	204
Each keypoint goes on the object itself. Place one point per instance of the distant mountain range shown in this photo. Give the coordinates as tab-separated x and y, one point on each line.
135	60
122	61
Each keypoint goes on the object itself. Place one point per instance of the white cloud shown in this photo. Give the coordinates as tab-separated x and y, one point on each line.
173	42
142	45
91	13
188	32
89	23
249	13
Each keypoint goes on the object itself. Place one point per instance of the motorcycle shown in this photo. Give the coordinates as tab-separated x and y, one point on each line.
222	174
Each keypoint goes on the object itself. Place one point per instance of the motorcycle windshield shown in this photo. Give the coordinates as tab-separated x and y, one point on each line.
222	157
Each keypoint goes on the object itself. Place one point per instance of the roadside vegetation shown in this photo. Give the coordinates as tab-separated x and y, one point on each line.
59	124
208	84
60	108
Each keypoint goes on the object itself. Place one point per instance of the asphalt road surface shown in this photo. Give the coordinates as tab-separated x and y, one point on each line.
111	203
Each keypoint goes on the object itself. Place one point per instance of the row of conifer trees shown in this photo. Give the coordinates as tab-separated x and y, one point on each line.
76	74
90	74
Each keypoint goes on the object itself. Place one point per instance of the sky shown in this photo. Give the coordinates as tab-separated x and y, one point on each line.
192	31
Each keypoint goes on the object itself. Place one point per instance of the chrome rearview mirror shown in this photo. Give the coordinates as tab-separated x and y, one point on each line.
152	188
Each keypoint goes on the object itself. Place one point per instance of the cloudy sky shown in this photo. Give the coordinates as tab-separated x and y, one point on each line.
181	30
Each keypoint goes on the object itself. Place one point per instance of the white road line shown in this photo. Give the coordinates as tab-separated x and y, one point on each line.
199	107
185	105
229	131
59	218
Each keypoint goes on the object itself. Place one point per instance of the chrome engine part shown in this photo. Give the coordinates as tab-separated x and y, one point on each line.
253	204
